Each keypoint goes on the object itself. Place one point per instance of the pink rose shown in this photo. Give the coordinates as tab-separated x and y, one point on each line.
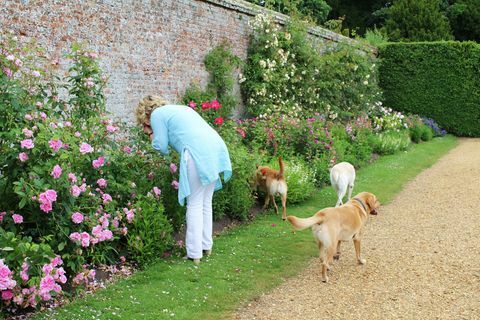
17	218
55	144
85	148
27	144
46	207
23	156
102	183
7	295
56	172
85	239
51	195
156	191
97	163
77	217
106	198
75	236
72	177
175	184
27	133
75	191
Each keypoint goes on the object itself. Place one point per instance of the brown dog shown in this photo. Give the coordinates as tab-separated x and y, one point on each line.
272	181
344	223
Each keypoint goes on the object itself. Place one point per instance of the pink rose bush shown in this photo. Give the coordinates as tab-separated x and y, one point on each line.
77	171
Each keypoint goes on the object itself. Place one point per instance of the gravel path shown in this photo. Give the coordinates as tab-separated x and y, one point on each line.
422	251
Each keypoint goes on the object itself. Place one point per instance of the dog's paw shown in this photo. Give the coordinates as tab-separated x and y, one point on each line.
362	261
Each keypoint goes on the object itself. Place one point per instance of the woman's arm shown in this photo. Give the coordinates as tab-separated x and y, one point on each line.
160	134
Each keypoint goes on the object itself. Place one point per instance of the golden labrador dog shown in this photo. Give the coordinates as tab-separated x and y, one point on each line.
272	182
330	226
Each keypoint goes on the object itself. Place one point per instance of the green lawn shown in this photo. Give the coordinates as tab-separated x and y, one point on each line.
246	261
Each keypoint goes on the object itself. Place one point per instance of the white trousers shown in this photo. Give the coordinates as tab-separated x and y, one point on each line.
199	213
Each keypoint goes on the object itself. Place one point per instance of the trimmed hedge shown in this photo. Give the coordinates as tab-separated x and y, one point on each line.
439	80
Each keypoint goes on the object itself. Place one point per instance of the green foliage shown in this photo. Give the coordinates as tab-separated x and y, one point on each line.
235	198
438	80
285	74
416	133
427	133
464	17
151	233
417	20
220	63
390	142
375	37
316	10
300	180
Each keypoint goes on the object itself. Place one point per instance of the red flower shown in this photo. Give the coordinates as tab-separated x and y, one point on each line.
218	121
215	105
206	105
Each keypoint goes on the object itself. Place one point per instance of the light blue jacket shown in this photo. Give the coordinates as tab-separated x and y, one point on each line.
184	129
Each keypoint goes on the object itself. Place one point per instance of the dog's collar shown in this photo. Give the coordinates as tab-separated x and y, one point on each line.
361	203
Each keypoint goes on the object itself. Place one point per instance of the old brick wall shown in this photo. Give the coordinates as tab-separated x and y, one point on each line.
146	46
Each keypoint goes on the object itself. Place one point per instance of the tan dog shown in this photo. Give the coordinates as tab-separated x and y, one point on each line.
344	223
272	182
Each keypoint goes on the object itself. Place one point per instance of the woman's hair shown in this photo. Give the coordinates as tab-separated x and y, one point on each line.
146	106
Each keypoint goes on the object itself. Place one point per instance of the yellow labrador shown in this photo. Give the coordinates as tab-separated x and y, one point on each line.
344	223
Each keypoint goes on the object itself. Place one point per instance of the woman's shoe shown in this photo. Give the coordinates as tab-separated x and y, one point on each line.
195	261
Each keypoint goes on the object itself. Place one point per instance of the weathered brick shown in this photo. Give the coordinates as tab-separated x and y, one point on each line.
146	47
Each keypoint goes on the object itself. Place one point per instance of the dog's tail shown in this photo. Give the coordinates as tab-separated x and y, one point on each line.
304	223
282	167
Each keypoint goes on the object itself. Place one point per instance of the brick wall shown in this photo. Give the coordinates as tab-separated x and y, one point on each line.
146	46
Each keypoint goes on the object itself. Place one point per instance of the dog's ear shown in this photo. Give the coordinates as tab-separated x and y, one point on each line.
372	201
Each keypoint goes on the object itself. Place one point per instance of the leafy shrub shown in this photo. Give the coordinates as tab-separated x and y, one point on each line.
389	142
437	131
416	133
69	176
286	74
150	233
300	180
427	133
438	80
235	198
220	63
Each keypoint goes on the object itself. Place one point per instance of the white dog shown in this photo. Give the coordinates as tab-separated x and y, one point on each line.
342	177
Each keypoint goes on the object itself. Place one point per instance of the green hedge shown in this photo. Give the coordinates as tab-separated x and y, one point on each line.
440	80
